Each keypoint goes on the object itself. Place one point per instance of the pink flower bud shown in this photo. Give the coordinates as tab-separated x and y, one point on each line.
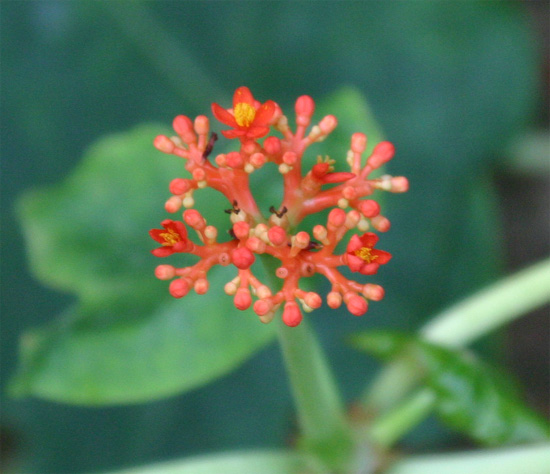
272	145
243	258
241	229
256	245
358	142
201	286
202	125
292	316
337	217
313	300
173	204
399	184
334	299
382	153
234	160
179	288
184	128
179	186
381	223
290	158
262	307
165	272
257	160
193	219
357	305
164	144
369	208
249	147
305	106
242	299
373	292
301	239
277	236
199	174
328	124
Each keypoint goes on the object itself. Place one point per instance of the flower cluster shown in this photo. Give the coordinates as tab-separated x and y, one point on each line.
298	254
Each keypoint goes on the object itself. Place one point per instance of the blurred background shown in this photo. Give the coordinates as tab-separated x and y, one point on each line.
461	89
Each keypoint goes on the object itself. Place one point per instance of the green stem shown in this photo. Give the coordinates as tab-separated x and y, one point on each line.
491	308
386	430
320	409
531	459
457	326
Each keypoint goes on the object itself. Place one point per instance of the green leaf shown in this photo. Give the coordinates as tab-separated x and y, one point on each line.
247	462
126	340
471	397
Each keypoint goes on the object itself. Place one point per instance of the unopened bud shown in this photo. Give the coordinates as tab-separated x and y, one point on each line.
292	316
242	299
164	144
179	288
243	258
358	142
165	272
382	153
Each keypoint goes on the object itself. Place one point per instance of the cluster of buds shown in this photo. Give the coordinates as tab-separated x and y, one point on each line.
297	254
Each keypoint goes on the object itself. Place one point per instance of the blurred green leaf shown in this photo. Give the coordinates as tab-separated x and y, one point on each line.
246	462
127	340
471	397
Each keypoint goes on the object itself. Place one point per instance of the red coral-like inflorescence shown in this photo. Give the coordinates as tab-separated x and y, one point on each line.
299	253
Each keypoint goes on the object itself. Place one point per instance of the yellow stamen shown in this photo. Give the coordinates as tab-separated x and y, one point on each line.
365	253
170	237
244	114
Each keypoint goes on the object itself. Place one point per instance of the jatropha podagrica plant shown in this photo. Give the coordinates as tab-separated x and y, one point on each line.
299	253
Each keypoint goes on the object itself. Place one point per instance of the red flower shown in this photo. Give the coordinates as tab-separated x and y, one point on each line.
248	118
173	238
362	257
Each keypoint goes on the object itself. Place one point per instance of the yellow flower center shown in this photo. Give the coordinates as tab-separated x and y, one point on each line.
170	237
244	114
365	253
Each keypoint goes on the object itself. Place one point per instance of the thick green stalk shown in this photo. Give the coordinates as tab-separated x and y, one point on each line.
321	413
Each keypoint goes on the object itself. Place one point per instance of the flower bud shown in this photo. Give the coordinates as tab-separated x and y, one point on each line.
357	305
382	153
243	258
179	288
358	142
369	208
165	272
242	299
292	316
202	125
272	145
164	144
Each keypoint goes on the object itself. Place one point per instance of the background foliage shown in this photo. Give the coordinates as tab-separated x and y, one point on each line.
451	84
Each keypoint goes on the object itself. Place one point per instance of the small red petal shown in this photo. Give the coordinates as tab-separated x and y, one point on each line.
162	251
233	133
355	263
382	256
369	239
223	115
354	244
243	94
264	114
257	132
369	268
